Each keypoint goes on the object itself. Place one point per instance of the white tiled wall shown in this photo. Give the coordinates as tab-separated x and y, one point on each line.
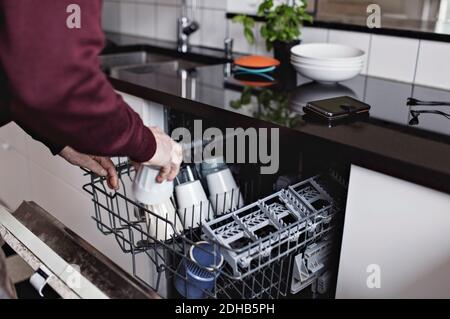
394	58
314	35
400	59
433	67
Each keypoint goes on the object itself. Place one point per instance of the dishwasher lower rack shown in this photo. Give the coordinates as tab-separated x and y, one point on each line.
258	242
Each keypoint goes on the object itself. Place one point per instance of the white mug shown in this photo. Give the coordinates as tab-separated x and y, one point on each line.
164	223
147	190
193	204
224	192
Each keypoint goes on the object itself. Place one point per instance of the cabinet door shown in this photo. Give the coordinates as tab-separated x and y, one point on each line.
40	155
137	104
396	239
153	114
14	177
13	136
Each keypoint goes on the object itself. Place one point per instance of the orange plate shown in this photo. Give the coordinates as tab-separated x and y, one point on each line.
256	62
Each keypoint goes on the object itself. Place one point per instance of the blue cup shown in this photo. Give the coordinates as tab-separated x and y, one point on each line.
197	277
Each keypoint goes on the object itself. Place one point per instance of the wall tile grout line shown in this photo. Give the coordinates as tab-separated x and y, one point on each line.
416	66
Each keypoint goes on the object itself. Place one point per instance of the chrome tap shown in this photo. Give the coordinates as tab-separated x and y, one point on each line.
187	25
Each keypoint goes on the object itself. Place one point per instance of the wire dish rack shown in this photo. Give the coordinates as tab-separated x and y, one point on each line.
251	249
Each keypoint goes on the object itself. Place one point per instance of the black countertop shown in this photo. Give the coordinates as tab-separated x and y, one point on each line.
383	142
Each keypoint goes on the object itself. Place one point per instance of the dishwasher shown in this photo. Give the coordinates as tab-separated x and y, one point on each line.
279	237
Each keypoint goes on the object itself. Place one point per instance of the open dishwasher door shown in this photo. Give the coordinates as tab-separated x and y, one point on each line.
61	259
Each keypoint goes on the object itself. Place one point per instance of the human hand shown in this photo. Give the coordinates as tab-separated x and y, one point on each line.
168	156
102	166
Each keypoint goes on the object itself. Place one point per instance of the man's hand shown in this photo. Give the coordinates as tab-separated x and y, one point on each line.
101	166
168	156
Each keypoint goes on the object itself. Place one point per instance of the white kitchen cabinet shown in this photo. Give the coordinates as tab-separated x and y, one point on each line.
396	239
136	103
40	155
153	114
14	169
12	136
14	178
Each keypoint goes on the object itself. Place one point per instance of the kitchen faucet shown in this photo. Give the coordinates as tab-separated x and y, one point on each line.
186	26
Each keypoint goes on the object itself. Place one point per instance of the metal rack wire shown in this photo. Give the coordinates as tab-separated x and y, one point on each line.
268	234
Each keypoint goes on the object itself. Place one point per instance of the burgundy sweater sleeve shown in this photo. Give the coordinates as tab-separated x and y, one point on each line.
57	88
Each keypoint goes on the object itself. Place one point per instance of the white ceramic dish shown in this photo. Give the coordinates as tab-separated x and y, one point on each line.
327	75
327	63
333	66
327	52
315	66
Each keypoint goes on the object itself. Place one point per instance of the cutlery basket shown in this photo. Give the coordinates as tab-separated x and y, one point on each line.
258	242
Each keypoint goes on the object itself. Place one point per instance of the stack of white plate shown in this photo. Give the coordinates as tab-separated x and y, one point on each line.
325	62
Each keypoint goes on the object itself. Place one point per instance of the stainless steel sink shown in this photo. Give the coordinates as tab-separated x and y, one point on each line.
109	61
142	62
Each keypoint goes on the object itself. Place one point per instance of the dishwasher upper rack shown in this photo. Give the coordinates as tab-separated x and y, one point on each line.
115	214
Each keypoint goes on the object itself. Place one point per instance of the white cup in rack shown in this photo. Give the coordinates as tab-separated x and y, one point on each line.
164	223
225	194
194	207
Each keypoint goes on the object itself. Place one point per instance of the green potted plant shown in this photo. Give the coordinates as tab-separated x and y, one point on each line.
281	28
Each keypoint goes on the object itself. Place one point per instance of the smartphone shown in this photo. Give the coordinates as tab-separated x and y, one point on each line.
337	108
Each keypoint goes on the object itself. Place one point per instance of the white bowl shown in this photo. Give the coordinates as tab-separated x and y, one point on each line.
333	66
328	63
320	67
327	75
327	52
